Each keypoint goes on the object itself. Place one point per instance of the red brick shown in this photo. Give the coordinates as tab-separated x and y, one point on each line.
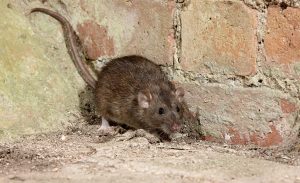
219	37
234	115
129	27
209	138
272	138
282	40
235	137
244	138
287	106
95	40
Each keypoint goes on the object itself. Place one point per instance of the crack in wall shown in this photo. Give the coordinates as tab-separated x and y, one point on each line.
177	35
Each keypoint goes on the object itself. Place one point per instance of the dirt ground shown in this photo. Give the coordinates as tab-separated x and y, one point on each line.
80	154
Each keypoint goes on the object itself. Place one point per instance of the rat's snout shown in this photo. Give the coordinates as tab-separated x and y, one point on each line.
175	127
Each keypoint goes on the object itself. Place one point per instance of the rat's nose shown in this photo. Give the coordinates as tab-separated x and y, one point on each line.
175	127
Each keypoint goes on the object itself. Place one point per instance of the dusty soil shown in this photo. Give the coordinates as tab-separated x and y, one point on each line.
81	154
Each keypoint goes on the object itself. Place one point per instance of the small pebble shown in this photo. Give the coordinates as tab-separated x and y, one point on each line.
63	138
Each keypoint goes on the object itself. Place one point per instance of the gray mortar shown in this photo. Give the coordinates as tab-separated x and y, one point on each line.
261	5
177	35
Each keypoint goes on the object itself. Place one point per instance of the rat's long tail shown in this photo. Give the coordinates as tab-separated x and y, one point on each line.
73	45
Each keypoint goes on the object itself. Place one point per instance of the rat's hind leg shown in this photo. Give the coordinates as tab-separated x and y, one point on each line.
107	130
105	124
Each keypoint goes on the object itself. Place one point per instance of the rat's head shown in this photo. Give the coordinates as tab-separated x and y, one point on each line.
162	108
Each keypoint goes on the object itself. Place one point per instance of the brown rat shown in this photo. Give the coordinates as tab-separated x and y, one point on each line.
130	90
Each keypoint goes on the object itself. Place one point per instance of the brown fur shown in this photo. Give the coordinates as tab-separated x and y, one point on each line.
117	90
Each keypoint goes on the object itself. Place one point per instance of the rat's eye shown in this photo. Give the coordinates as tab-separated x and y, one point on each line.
161	111
177	109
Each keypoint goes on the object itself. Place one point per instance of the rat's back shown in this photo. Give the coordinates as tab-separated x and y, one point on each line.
132	72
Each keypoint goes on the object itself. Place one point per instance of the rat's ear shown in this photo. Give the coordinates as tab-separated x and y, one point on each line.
144	98
179	93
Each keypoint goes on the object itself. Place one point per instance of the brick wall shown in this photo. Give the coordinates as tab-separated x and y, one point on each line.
239	61
243	61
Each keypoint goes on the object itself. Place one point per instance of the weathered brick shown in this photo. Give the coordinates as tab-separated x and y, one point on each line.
282	40
95	40
219	37
259	116
120	28
287	107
